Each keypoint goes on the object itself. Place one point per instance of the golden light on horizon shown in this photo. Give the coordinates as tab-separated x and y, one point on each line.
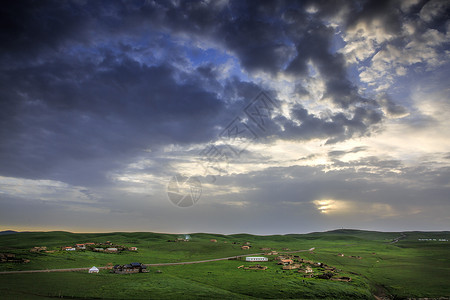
324	206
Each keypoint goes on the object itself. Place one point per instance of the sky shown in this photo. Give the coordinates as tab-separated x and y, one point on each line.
264	117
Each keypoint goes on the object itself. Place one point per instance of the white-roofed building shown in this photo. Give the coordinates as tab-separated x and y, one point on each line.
256	258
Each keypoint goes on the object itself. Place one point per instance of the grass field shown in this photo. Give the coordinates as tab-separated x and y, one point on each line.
407	269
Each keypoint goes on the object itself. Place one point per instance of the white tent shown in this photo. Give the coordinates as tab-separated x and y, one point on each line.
94	269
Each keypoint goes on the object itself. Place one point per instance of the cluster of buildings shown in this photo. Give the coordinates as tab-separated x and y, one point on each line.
134	267
294	262
254	267
106	247
11	258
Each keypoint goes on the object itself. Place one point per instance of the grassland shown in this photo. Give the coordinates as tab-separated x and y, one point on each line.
406	269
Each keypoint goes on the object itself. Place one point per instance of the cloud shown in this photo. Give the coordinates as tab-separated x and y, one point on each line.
105	101
98	111
389	43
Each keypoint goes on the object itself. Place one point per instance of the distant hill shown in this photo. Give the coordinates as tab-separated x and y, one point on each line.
8	232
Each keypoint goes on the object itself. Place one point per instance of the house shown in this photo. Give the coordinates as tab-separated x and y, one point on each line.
256	267
132	248
345	279
111	249
291	267
4	257
98	249
69	248
245	247
271	253
286	262
247	243
38	249
80	246
213	240
134	267
256	258
306	270
281	257
183	238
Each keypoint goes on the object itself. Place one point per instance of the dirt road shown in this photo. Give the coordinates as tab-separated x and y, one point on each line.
402	236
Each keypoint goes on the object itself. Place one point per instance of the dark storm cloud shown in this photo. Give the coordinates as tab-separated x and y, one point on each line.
303	125
386	11
67	111
73	88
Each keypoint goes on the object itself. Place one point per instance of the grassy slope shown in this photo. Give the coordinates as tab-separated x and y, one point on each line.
406	269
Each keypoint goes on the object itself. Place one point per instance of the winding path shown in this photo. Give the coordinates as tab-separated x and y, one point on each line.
402	236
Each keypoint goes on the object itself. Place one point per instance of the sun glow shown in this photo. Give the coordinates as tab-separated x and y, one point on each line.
324	206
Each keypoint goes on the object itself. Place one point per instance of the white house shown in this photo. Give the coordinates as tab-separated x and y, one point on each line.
94	269
256	258
70	249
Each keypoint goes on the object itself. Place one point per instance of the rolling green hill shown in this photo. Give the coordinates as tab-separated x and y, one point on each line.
409	268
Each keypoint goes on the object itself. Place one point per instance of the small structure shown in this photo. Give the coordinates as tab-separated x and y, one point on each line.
80	246
213	240
69	248
11	258
245	247
94	269
134	267
341	254
256	258
286	262
306	270
291	267
183	238
256	267
247	243
112	250
132	248
38	249
345	279
98	249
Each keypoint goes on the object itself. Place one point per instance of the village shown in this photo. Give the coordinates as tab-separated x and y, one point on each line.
283	260
107	247
308	268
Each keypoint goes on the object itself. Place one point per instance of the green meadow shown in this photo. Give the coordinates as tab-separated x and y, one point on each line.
407	269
